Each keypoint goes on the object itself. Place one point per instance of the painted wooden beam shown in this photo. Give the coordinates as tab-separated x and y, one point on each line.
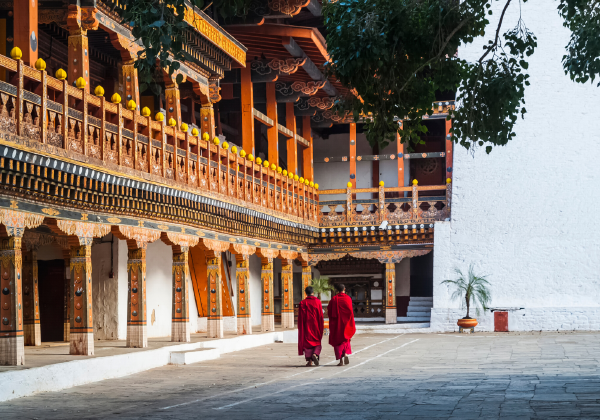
309	67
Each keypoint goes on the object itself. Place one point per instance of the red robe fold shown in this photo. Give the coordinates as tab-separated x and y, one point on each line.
310	324
341	319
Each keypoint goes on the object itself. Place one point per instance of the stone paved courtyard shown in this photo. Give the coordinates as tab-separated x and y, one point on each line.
458	376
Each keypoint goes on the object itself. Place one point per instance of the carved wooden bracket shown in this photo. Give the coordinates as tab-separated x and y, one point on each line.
84	231
287	66
16	221
182	239
288	255
245	250
309	88
141	236
321	103
216	246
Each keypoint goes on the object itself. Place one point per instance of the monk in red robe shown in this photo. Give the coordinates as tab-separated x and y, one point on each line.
341	324
310	328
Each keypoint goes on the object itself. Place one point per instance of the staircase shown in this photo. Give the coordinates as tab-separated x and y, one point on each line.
419	310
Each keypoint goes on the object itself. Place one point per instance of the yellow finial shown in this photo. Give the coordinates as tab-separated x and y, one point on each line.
233	149
16	53
415	182
99	91
195	131
159	116
172	122
273	167
258	160
216	141
184	127
205	136
225	145
301	179
242	153
80	83
40	64
279	170
448	180
349	184
381	183
266	163
250	157
295	177
311	184
146	111
316	186
116	98
61	74
131	105
285	172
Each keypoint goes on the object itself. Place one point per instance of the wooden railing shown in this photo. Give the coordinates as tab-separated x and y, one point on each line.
43	109
415	208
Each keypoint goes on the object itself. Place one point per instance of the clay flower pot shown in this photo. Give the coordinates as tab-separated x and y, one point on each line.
467	324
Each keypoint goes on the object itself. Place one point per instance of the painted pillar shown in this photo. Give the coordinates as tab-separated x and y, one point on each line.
26	29
79	60
272	132
12	345
82	327
391	315
287	294
449	150
247	100
215	293
307	154
180	318
244	323
266	276
353	154
130	79
207	120
137	330
172	96
400	161
292	148
306	278
31	300
67	297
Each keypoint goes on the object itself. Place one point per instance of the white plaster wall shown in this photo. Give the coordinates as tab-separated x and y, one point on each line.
255	290
105	290
521	215
159	291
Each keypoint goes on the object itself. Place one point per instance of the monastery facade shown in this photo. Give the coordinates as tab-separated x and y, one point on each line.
211	207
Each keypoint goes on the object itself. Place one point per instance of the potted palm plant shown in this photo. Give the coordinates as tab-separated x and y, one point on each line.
473	291
321	286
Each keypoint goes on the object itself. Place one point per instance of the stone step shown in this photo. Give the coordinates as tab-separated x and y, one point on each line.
421	303
419	312
193	356
427	299
414	319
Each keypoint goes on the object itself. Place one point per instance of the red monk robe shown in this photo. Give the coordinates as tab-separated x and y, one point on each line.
341	324
310	327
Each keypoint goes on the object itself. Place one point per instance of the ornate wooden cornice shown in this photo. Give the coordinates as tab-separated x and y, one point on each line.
309	88
287	66
288	7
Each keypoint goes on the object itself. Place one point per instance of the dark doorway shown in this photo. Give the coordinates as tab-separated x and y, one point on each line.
51	275
421	276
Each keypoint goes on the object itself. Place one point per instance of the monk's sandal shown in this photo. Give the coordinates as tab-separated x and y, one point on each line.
346	360
315	359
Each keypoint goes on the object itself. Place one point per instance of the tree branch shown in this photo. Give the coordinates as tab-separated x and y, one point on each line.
495	44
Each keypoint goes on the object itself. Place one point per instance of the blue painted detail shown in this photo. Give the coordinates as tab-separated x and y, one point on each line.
352	176
449	170
400	155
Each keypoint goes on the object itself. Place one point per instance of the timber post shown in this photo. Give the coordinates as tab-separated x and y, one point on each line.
180	321
215	293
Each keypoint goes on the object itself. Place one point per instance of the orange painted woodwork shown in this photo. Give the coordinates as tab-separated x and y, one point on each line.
26	29
199	275
226	302
400	160
247	100
501	321
79	60
307	153
353	154
292	149
272	132
449	150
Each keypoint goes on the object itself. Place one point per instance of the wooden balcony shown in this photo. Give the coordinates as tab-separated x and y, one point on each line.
67	122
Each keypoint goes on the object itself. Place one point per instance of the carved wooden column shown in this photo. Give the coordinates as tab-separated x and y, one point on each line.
266	276
207	120
247	100
242	274
287	294
308	171
306	277
82	327
79	20
31	299
26	30
272	132
292	147
130	79
12	346
352	157
180	325
215	291
172	96
137	331
391	314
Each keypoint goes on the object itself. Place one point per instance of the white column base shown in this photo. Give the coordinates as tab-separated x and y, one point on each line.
180	332
12	351
391	316
32	334
137	336
244	326
215	328
82	344
267	323
287	320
